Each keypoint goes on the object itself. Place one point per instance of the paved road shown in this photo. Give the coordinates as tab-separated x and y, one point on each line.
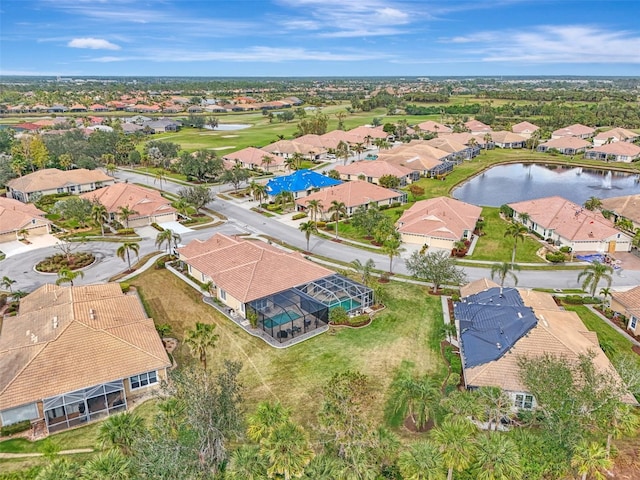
241	219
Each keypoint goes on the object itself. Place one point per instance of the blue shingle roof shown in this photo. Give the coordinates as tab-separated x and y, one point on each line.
491	323
299	181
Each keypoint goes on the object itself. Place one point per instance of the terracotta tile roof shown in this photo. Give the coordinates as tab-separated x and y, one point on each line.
627	206
15	215
338	136
629	299
320	141
435	127
524	127
410	160
465	137
477	286
567	219
374	169
254	156
618	134
290	147
363	131
619	148
55	345
558	332
477	126
352	194
440	217
51	178
249	270
143	200
503	136
447	144
574	130
566	142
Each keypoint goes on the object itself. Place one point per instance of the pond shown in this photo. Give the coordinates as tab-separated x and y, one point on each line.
517	182
228	127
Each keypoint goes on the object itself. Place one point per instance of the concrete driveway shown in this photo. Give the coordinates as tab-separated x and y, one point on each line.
37	241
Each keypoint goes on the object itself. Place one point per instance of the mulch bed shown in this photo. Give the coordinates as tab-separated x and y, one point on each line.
410	425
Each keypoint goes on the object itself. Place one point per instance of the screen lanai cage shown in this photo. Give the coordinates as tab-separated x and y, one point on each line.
306	307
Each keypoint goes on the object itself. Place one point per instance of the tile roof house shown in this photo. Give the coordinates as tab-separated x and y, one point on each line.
565	145
452	146
287	148
438	222
434	127
628	304
575	130
353	194
337	136
75	354
497	326
569	224
504	139
373	170
301	183
627	206
526	129
150	206
288	293
615	152
16	216
477	127
252	158
51	180
614	135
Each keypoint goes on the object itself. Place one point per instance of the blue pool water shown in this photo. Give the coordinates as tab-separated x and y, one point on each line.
280	319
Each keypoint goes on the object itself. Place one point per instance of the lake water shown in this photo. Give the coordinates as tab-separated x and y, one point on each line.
228	127
517	182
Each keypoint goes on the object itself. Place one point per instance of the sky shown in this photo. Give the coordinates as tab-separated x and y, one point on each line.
304	38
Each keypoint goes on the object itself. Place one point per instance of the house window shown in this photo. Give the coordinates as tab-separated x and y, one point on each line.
60	190
524	401
144	379
633	323
223	295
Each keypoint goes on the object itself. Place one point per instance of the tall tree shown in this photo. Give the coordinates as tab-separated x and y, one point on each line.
435	267
454	440
593	274
109	465
516	231
504	270
247	463
392	247
337	209
364	269
415	397
200	339
308	228
315	209
593	203
497	458
198	196
120	431
287	450
99	215
7	283
66	275
164	237
421	461
267	417
590	458
236	176
125	213
126	249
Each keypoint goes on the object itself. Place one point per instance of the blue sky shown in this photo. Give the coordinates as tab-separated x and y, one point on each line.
319	37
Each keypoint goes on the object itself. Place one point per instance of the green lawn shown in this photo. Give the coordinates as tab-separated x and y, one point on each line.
494	246
294	375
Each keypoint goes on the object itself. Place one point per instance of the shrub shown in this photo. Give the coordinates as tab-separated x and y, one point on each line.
322	224
395	205
3	300
126	231
565	249
54	263
160	263
555	257
124	286
573	300
298	216
384	207
338	316
15	428
274	208
157	227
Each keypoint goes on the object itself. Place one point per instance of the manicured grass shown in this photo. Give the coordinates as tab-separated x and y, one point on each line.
494	246
295	374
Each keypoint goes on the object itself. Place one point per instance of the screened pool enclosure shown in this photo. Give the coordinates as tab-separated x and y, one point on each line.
306	307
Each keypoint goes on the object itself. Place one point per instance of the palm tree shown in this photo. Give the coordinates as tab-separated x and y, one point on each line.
182	206
497	458
99	215
175	238
517	232
392	247
124	212
421	461
66	275
59	469
247	463
110	465
125	250
605	292
454	439
287	450
364	269
160	176
267	160
342	150
359	148
324	467
283	198
7	283
120	431
593	274
315	208
200	339
267	417
22	234
164	237
297	158
590	458
416	398
308	228
593	203
504	270
290	163
337	209
524	218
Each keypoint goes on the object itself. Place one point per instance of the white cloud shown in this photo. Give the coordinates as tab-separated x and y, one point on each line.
554	44
93	43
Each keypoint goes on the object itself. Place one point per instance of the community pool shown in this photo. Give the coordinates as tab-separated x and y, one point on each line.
280	319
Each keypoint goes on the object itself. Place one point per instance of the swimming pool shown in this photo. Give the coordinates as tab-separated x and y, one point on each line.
280	319
348	304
